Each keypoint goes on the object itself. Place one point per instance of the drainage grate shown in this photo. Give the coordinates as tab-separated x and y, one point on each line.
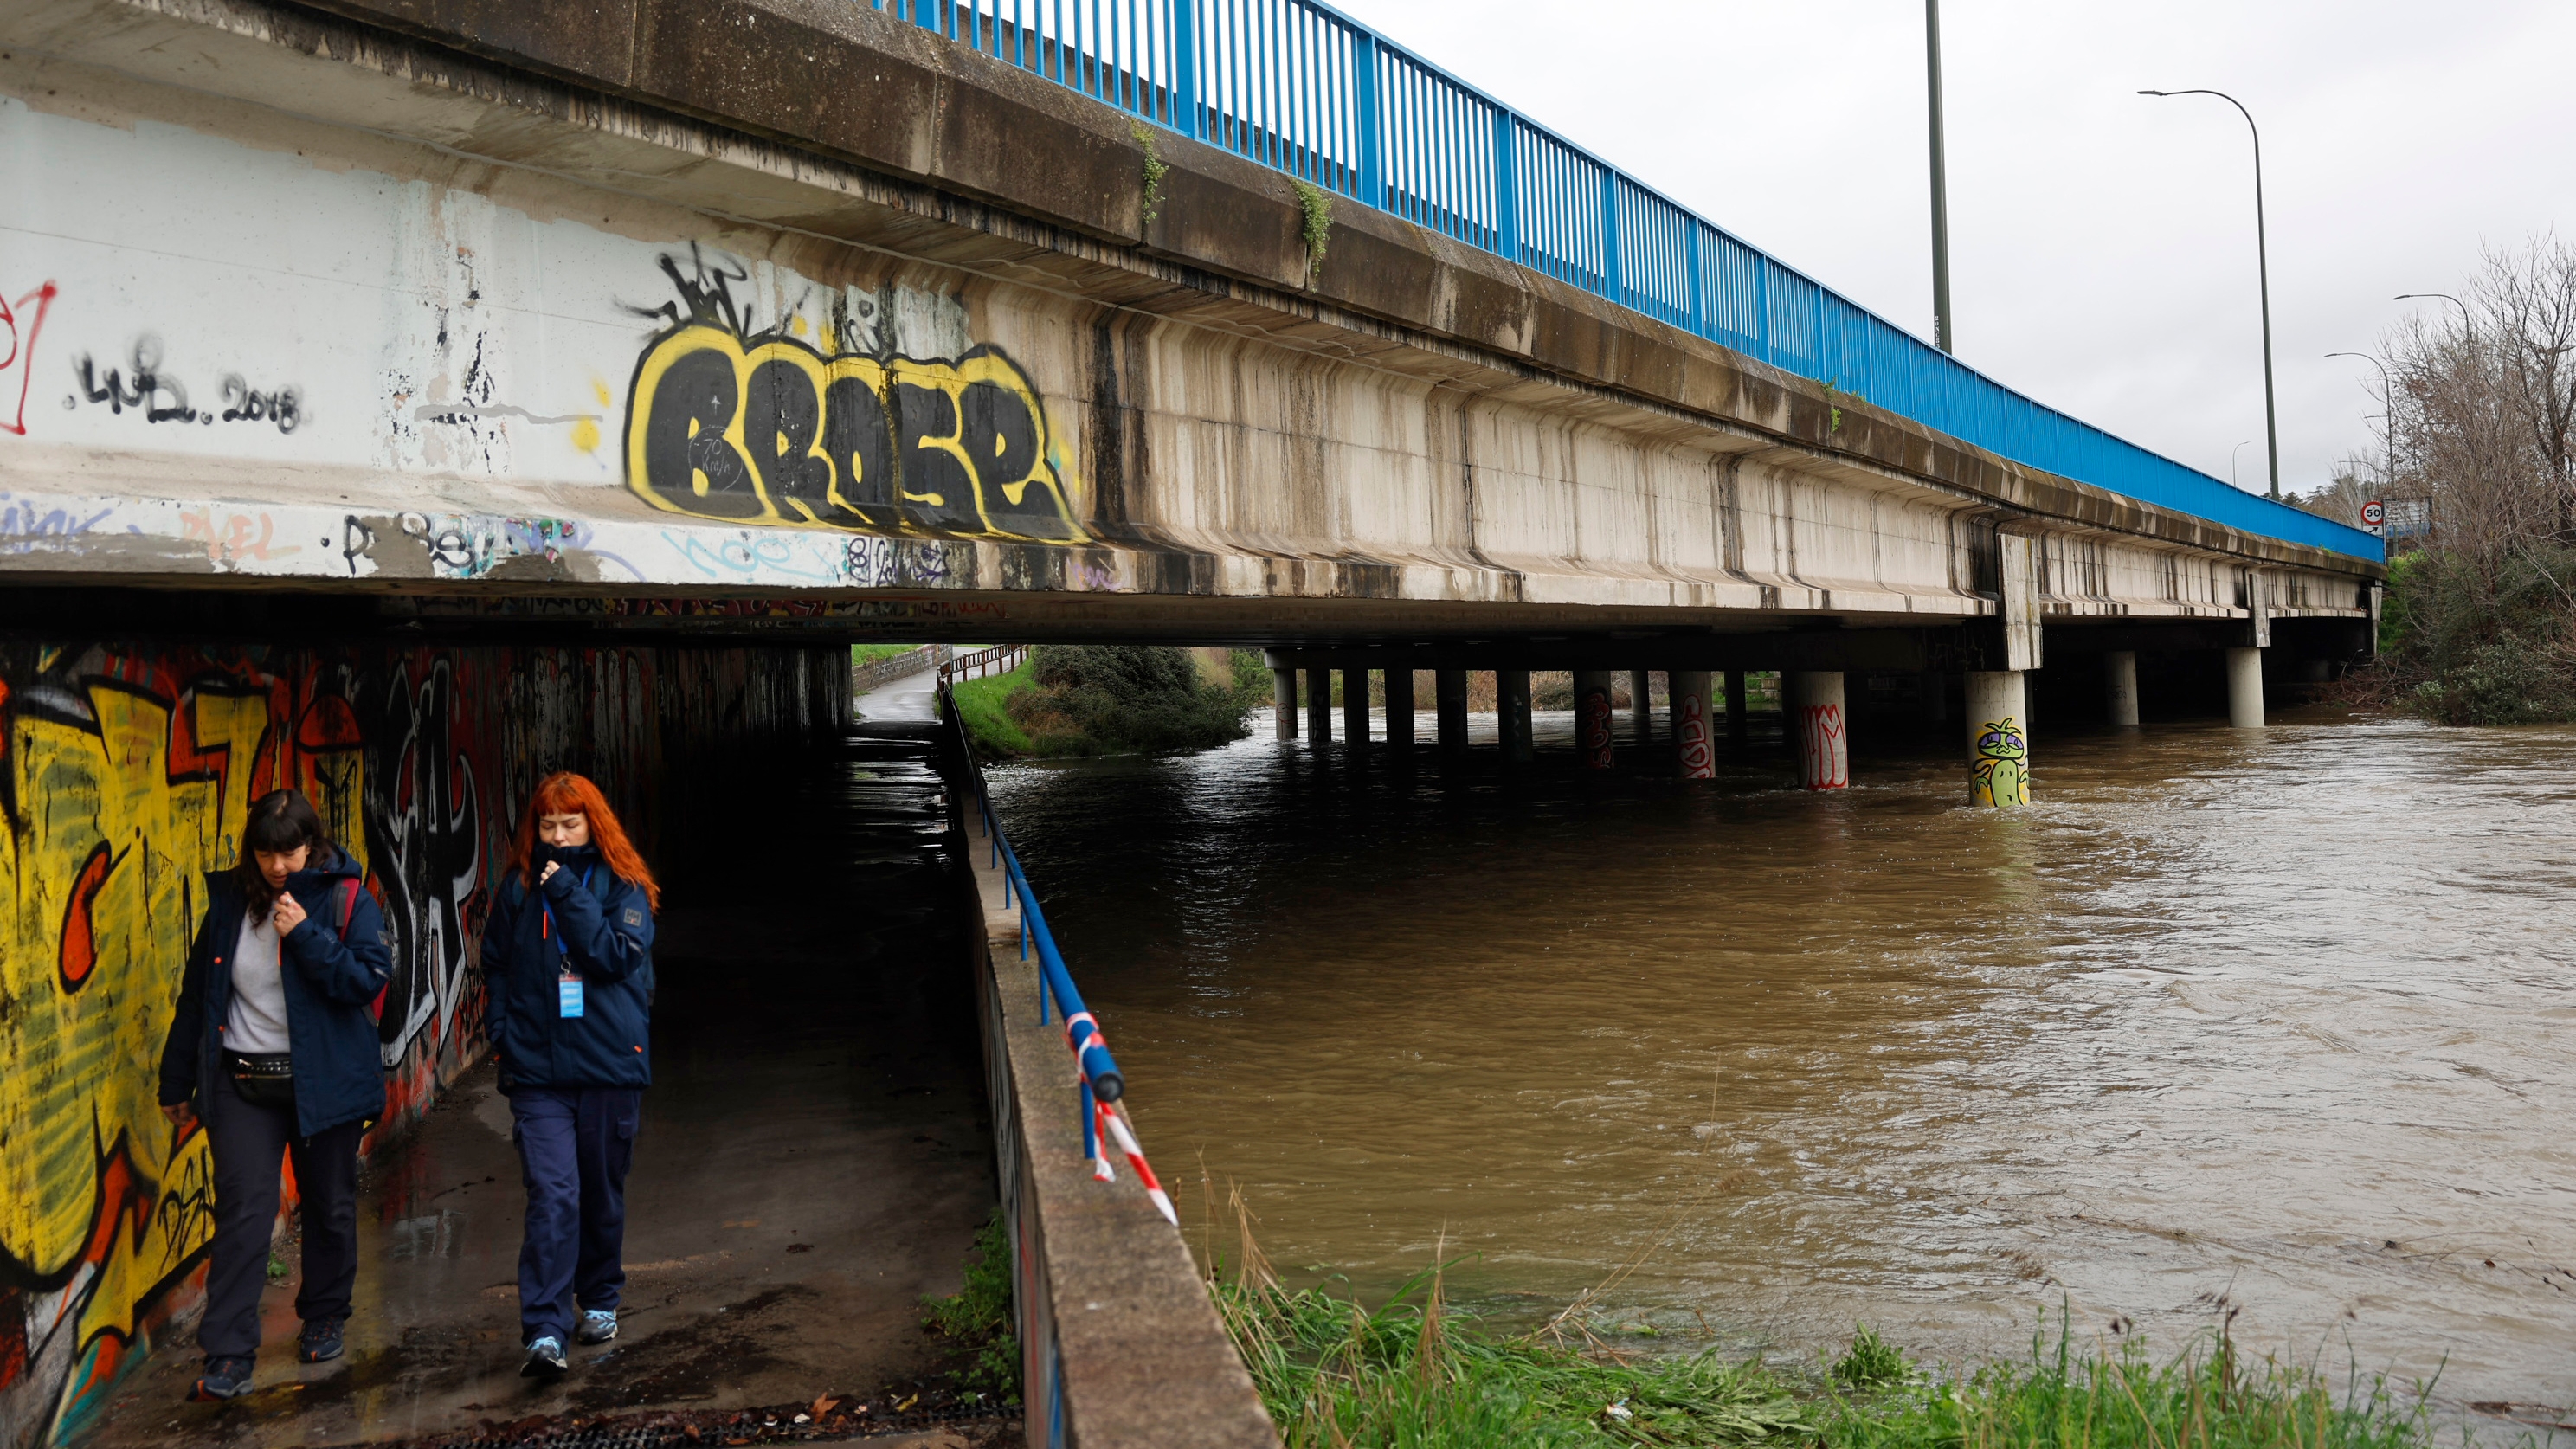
601	1437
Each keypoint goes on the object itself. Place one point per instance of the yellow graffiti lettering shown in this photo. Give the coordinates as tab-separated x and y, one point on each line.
778	433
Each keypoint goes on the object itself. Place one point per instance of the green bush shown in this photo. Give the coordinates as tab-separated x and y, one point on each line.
1106	699
977	1317
2473	644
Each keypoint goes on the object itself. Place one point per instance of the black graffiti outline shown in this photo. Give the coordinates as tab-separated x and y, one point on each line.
424	835
143	387
143	394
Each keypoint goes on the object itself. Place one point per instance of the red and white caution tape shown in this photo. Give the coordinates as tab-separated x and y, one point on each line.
1111	1124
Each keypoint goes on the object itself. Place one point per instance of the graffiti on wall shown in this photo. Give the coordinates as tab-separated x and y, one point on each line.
21	322
423	816
125	776
1691	734
1824	747
2001	774
144	388
726	422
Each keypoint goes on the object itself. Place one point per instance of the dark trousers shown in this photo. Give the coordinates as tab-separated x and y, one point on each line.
248	1142
575	1144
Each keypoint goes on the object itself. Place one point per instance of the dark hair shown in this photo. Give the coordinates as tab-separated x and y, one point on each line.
279	821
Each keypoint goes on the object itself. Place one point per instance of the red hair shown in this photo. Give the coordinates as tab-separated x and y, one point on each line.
565	793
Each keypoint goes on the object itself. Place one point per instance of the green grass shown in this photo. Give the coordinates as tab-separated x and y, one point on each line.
980	702
1413	1373
868	653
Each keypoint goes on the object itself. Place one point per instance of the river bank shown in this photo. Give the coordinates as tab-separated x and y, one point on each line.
2267	1015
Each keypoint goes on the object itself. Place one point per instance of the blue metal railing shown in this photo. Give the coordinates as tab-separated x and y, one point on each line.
1101	1079
1295	85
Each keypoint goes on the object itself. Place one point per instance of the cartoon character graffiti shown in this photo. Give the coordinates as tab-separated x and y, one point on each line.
763	428
2001	774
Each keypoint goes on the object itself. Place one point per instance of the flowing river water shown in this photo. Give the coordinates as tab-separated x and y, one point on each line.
2280	1019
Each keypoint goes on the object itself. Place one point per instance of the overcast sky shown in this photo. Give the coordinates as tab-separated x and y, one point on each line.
2102	242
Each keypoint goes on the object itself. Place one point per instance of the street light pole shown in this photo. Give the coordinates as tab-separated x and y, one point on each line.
2387	418
2231	461
2263	269
1941	337
2467	323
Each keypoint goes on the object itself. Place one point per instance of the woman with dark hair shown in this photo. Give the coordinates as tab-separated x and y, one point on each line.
274	1046
568	963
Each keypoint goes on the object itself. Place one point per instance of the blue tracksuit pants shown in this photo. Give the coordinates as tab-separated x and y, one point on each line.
575	1144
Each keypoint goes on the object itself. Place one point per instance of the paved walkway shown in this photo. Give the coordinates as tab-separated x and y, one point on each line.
814	1159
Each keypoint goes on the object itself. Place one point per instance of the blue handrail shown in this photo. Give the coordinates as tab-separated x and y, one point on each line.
1296	85
1100	1075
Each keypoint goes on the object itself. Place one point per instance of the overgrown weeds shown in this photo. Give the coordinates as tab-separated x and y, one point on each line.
977	1319
2115	1394
2470	643
1415	1372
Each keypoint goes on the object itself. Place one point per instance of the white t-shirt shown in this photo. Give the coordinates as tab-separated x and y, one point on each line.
255	1025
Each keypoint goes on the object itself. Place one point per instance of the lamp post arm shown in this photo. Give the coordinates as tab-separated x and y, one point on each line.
2263	272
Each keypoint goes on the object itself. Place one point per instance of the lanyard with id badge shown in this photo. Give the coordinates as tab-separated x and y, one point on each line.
568	1002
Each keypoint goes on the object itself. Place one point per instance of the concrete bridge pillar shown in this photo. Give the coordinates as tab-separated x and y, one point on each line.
1821	727
1592	716
1355	706
1998	738
1735	704
1319	705
1512	714
1449	700
1283	694
1694	725
2120	687
2245	688
1399	708
1641	703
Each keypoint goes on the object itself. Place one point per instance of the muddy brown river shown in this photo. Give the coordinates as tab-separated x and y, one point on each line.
2279	1018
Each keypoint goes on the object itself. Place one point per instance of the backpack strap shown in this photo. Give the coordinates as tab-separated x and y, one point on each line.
348	909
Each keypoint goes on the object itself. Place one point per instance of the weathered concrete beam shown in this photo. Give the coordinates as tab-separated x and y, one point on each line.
1430	431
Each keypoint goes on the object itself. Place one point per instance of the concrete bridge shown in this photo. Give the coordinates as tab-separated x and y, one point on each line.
406	395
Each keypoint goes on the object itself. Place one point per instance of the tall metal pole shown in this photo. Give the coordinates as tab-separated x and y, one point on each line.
2263	269
1941	337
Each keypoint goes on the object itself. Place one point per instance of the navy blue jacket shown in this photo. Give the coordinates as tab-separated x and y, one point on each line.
605	932
330	981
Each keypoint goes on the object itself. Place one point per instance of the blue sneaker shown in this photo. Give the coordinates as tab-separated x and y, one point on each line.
545	1359
319	1341
598	1325
224	1378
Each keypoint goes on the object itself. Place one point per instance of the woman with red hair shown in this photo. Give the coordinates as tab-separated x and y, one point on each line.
568	962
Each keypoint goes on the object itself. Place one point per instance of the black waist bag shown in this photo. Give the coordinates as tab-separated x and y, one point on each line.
264	1079
267	1079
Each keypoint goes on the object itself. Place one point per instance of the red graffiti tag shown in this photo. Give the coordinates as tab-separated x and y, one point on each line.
18	337
1826	760
79	949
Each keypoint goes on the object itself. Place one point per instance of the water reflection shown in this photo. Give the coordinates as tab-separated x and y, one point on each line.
2276	1016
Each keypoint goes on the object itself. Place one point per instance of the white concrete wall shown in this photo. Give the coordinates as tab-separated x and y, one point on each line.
244	343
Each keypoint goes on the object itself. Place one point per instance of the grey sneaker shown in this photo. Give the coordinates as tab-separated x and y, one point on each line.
545	1359
224	1378
598	1325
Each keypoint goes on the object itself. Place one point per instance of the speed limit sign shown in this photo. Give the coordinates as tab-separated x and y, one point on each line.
2373	514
